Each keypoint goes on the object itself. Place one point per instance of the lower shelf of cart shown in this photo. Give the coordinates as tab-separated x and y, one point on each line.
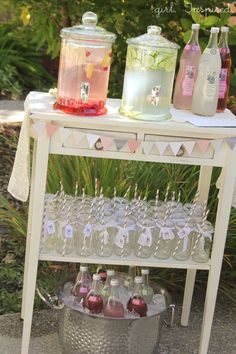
130	260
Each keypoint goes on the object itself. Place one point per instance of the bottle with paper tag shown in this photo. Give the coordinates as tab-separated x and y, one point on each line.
143	245
202	243
225	69
103	241
164	234
50	227
205	95
124	237
85	235
65	238
182	243
188	70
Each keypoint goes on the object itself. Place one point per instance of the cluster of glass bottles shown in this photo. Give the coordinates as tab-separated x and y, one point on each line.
202	83
114	296
127	226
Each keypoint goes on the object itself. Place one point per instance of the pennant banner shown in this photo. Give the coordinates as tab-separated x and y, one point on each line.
216	144
92	139
51	129
133	145
175	146
231	142
120	143
106	142
64	133
147	146
161	146
189	146
77	137
203	145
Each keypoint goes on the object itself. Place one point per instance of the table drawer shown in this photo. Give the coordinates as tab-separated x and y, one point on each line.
197	152
92	140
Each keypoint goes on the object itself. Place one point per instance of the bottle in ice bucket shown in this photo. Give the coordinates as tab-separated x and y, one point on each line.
83	283
114	306
188	70
205	95
147	290
137	304
93	301
107	287
225	70
129	279
103	274
84	68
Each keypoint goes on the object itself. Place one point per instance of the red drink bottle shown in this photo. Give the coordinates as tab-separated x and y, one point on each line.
136	303
114	306
93	300
225	70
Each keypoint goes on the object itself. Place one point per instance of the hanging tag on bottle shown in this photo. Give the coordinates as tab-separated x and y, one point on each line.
87	230
184	232
68	231
166	233
121	238
145	239
105	236
50	227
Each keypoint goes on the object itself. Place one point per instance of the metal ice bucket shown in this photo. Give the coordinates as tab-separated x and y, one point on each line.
82	333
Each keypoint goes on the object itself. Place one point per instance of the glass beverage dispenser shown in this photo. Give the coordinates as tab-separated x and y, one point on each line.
149	75
84	68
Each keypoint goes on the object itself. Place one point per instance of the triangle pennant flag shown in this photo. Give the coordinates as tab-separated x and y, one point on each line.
231	142
175	146
120	143
147	146
133	145
203	145
189	146
65	133
92	139
106	142
51	129
39	127
161	147
77	137
216	144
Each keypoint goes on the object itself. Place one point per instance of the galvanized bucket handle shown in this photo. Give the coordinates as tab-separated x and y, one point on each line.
170	309
51	301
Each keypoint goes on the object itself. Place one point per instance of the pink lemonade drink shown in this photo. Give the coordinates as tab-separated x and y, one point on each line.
188	71
84	68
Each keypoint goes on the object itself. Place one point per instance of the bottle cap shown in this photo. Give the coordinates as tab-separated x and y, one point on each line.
96	276
215	30
110	272
83	268
195	26
145	271
138	280
114	282
224	29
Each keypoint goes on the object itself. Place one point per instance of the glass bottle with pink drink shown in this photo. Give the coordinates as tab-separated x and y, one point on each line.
93	301
137	304
84	68
114	306
225	70
188	70
82	283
